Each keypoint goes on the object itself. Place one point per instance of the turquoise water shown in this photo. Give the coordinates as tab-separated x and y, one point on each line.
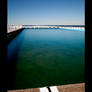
46	57
72	29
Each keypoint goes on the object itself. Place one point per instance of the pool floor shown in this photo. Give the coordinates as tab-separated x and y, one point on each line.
46	57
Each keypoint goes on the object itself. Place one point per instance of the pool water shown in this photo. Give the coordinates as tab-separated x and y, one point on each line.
46	57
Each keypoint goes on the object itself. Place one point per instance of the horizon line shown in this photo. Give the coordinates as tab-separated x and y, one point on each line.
47	24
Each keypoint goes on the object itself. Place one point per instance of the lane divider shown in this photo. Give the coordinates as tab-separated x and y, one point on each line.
49	89
54	89
44	89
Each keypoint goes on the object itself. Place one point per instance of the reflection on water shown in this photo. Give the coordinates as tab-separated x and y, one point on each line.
45	57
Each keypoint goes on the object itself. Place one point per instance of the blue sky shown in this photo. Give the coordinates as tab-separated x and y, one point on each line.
46	12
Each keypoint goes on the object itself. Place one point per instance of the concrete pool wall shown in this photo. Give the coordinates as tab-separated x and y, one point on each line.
13	34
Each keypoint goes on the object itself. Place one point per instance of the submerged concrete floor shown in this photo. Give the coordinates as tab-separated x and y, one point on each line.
64	88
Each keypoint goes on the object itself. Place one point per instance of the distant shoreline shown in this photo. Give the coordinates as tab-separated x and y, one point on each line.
12	28
51	25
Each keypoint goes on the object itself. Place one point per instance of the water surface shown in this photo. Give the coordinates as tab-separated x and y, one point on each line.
46	57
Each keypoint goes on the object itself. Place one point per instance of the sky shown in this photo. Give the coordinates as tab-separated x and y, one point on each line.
46	12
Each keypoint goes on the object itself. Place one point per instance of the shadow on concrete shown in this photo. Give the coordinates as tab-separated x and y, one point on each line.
14	44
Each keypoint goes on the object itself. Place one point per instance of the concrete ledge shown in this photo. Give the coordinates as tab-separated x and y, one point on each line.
72	88
13	34
80	87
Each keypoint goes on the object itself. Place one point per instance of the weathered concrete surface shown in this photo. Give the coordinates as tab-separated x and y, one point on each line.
26	90
64	88
72	88
13	34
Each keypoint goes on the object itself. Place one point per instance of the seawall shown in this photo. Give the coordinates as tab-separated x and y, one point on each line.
13	34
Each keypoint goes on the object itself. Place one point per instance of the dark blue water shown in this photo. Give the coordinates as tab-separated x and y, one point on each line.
46	57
